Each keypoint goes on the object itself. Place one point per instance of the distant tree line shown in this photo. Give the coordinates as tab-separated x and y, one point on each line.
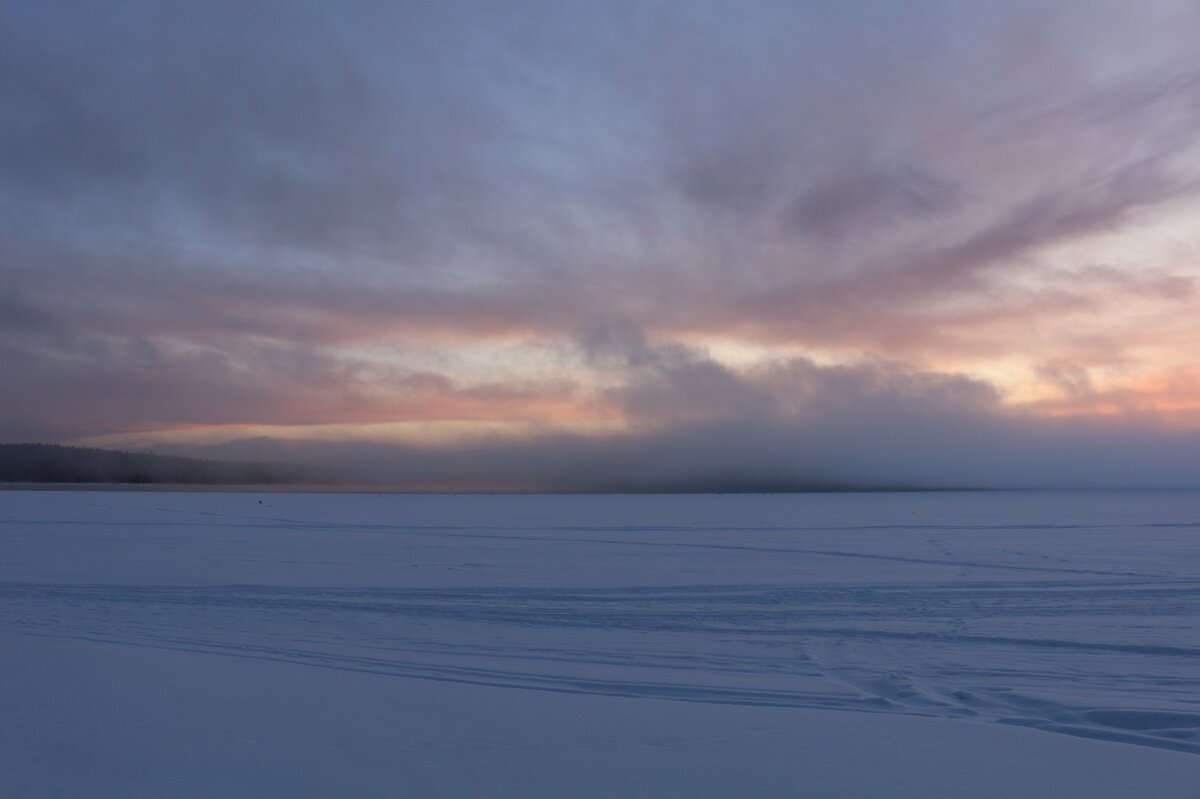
52	463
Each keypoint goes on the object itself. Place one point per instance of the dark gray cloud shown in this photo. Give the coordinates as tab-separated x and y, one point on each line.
18	316
859	202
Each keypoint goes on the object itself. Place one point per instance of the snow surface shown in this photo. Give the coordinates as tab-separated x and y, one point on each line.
1036	644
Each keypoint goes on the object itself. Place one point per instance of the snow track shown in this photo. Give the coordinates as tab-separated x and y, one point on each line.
1072	613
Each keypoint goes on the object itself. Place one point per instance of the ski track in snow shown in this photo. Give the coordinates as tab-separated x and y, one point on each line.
1083	623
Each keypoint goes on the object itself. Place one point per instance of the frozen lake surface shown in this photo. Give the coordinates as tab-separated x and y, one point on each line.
945	644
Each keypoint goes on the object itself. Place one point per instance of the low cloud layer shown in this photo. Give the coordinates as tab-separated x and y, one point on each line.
891	451
793	426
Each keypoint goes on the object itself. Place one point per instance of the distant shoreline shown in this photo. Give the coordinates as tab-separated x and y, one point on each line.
217	488
316	488
322	488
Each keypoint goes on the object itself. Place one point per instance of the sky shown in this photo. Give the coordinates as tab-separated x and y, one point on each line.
609	244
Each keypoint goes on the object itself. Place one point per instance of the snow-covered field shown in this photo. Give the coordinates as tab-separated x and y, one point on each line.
1008	644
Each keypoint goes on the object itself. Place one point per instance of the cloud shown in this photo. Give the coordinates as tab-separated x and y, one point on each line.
367	212
864	200
17	315
824	428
